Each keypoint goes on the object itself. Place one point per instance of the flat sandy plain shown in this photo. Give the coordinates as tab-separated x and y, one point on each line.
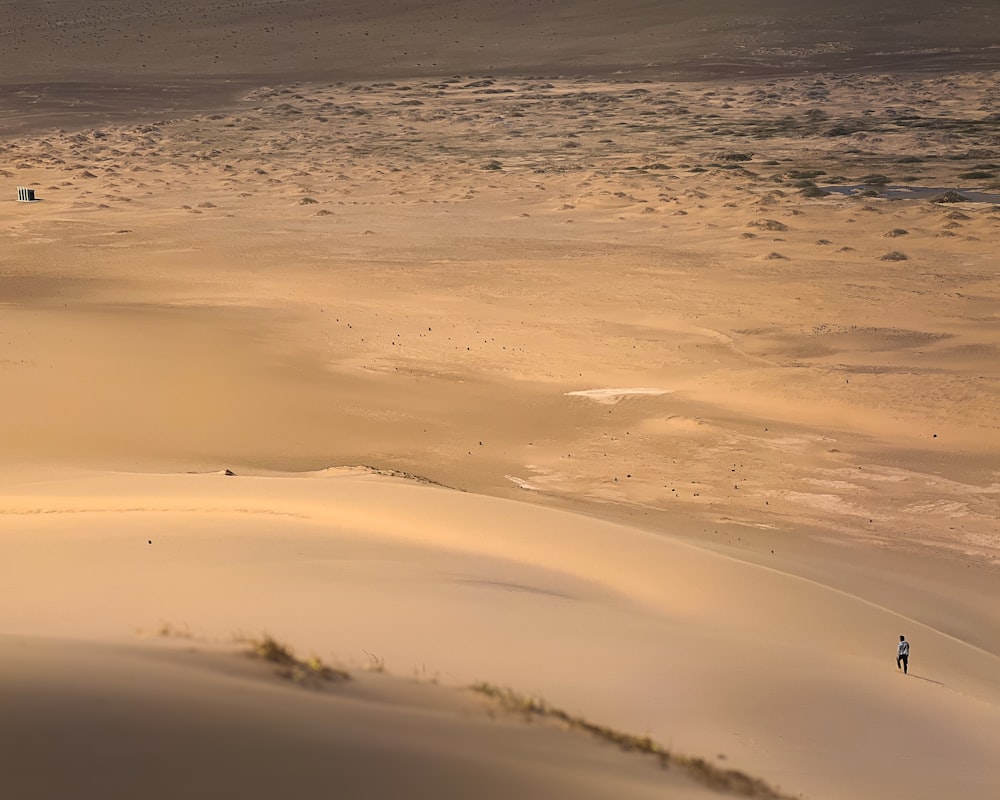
643	377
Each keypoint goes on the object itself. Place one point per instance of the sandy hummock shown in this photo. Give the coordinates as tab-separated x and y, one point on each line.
644	362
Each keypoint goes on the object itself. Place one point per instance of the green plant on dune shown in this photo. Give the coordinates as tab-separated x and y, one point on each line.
720	779
309	672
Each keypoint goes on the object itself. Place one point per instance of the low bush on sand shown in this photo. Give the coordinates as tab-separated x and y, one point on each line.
309	672
720	779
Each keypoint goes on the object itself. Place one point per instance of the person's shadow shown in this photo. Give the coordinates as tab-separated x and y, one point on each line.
929	680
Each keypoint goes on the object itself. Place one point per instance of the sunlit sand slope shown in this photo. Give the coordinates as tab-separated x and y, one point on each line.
709	655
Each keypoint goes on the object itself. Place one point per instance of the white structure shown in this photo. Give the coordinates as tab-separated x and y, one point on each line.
25	195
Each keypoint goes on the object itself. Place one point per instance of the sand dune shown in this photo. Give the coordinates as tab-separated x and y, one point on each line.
637	630
112	721
641	357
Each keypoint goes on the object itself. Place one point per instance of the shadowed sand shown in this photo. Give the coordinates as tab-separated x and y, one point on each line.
104	720
667	335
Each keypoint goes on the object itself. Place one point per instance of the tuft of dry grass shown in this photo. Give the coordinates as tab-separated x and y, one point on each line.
171	631
375	663
722	780
311	672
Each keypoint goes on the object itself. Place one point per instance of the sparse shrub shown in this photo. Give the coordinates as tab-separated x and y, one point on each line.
843	129
977	174
812	190
768	225
949	197
310	672
706	773
805	174
375	663
270	649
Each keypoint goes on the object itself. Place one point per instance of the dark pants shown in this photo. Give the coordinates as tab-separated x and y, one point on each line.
904	660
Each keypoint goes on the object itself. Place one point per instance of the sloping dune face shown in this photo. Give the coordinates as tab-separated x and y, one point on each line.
758	669
92	720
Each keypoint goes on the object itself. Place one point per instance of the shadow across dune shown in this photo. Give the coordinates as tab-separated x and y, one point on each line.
928	680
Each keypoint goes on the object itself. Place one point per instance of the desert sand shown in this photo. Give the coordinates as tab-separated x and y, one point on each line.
642	362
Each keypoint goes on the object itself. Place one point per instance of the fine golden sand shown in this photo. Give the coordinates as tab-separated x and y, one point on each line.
648	367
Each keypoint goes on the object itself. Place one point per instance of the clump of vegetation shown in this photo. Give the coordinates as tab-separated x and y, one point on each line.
949	197
492	165
896	232
810	189
894	255
768	225
171	631
311	672
805	174
875	179
375	663
977	174
717	778
844	129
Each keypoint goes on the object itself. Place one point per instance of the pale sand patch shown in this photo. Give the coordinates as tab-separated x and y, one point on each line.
522	484
612	396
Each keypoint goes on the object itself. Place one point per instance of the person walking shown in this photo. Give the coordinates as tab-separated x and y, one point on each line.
903	654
